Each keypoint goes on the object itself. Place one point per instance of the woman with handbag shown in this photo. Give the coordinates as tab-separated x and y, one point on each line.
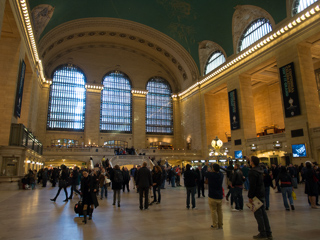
64	174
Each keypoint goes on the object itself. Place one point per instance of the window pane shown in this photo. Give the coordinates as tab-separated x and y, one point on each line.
301	5
215	60
67	99
159	118
254	32
116	101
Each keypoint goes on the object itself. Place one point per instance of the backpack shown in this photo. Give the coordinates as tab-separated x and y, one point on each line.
118	177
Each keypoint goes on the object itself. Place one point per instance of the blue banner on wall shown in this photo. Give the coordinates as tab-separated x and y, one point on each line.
289	91
233	110
20	84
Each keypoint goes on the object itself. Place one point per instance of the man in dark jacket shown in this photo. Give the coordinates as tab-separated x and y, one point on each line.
215	179
144	182
237	184
190	184
257	189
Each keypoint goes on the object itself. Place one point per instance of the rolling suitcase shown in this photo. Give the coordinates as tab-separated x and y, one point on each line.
78	208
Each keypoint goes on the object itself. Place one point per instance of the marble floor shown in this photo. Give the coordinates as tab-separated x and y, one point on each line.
27	214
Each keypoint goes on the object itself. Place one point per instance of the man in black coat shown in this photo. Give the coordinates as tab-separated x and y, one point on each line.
190	184
200	181
144	182
257	189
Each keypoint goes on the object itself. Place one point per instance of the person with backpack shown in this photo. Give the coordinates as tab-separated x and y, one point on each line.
117	181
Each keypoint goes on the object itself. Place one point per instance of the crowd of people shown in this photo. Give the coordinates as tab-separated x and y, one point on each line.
255	178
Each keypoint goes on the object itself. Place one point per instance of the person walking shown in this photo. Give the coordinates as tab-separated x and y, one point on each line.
190	178
144	183
126	179
103	184
257	189
117	181
286	187
63	180
215	196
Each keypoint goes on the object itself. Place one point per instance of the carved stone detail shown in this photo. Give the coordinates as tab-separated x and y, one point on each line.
206	48
41	15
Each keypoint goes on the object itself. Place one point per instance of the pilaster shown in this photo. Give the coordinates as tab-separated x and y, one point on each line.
139	118
92	114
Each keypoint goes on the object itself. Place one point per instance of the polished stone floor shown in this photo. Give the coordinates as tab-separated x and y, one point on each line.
27	214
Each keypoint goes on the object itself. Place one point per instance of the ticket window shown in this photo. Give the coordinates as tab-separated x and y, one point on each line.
9	167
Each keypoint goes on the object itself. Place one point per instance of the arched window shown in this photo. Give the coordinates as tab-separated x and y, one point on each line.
67	99
215	60
115	114
256	30
300	5
159	107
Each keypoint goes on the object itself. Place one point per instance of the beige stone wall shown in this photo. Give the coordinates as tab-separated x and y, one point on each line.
217	116
10	56
191	121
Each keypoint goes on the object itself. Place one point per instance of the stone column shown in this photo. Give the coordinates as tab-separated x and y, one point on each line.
92	115
139	118
310	93
246	111
41	129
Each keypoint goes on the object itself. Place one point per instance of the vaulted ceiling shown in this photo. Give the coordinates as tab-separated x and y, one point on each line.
188	22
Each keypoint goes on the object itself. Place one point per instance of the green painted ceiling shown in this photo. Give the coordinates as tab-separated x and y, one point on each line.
186	21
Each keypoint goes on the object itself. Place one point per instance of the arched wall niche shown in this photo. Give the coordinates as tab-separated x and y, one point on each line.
206	48
242	17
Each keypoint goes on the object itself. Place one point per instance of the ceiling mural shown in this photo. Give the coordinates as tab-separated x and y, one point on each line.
188	22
